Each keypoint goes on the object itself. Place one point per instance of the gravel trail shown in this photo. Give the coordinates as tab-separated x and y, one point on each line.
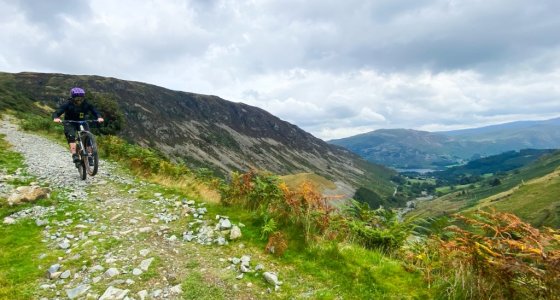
47	160
111	244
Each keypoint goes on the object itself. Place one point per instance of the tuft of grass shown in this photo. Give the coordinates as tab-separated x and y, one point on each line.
199	289
9	160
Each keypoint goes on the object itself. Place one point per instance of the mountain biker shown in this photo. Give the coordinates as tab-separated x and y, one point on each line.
75	109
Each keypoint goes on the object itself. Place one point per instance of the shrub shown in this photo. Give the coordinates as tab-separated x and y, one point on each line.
139	159
376	229
492	255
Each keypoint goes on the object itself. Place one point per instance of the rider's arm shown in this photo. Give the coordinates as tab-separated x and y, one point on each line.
56	115
95	113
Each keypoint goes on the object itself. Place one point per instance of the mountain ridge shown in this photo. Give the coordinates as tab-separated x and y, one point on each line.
408	148
204	130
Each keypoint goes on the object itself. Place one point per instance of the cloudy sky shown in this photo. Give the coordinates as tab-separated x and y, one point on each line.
334	68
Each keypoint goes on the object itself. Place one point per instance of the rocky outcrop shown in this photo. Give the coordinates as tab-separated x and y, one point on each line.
25	194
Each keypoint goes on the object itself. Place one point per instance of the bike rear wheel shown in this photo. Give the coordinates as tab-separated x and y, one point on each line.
92	160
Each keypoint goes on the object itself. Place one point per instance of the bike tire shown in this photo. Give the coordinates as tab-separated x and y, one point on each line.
89	143
82	167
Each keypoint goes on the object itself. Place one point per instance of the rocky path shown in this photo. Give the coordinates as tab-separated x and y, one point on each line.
115	237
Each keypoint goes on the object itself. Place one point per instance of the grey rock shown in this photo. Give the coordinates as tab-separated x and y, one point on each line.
221	241
40	222
64	245
54	275
112	272
9	220
96	268
225	224
271	278
145	264
143	294
136	272
235	233
176	290
157	293
48	286
245	260
188	237
52	272
112	293
77	291
65	274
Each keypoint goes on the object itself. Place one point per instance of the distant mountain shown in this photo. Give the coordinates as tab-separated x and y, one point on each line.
509	128
406	148
202	130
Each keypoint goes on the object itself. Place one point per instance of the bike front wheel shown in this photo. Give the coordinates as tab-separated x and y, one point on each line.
91	162
81	165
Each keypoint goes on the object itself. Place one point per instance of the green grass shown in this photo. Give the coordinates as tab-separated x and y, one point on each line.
196	287
20	243
9	160
536	201
351	272
537	205
20	246
329	271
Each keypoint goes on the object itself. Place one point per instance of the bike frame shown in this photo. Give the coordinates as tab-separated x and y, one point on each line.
79	133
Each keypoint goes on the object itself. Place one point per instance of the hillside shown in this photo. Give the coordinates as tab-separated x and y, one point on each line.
406	148
118	236
200	130
530	192
159	236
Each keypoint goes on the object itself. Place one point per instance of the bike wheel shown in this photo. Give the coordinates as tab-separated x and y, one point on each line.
82	166
91	150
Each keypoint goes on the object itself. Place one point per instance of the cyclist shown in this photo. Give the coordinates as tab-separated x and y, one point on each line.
75	109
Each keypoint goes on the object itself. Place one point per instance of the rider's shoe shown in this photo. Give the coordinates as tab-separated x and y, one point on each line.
90	160
75	158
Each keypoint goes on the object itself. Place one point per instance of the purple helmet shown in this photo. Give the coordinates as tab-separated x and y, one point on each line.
77	92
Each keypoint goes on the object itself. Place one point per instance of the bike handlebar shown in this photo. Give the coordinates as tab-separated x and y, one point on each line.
80	122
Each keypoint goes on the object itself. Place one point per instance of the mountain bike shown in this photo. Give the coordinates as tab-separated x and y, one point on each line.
86	148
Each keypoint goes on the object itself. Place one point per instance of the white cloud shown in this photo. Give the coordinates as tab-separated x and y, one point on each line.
333	68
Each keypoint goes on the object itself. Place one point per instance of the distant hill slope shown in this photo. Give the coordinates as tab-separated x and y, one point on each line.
203	130
493	164
406	148
531	192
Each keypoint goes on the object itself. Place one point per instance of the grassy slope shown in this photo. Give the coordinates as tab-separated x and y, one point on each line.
18	272
325	272
293	181
536	202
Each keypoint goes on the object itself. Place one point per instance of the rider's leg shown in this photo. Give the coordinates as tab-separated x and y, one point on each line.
72	147
70	133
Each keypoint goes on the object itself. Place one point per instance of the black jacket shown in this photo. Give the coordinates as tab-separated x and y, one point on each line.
74	112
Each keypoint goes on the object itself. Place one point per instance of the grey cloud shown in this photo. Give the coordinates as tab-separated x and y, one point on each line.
50	13
399	36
